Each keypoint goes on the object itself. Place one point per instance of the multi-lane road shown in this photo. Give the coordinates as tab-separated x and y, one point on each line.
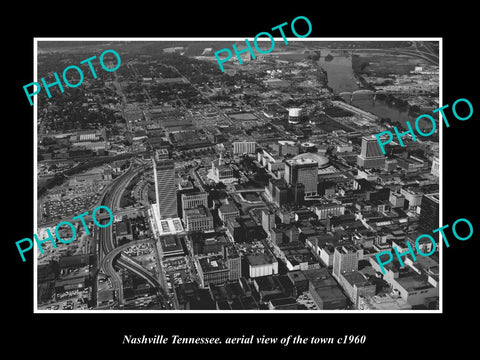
109	255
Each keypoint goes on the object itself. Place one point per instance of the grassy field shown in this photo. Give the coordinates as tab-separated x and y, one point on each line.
243	116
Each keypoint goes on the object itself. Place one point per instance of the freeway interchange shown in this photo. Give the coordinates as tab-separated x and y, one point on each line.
108	255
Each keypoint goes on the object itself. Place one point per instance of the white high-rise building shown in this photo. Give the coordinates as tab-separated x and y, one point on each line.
165	188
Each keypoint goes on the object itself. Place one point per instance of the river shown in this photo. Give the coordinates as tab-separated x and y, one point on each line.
341	79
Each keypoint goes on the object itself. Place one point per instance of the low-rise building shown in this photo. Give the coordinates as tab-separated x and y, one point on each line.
228	211
261	264
384	302
324	290
356	284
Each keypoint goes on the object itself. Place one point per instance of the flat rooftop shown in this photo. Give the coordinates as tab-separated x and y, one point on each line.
355	278
228	208
435	197
302	161
259	259
171	244
386	303
413	283
283	301
297	276
320	278
346	249
330	294
212	263
197	212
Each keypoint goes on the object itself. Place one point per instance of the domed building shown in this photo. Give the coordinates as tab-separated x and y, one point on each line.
322	160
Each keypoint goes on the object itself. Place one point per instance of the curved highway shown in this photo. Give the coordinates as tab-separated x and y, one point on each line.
127	262
109	254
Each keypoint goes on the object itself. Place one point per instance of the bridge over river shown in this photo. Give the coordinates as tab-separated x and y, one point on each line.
352	94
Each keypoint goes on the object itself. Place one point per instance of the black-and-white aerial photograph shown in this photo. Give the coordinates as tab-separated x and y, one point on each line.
218	180
227	175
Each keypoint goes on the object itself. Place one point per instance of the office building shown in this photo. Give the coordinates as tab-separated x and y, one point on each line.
412	196
370	155
172	246
345	259
299	281
285	147
234	263
261	264
324	290
304	171
212	270
397	200
244	229
268	220
323	210
355	285
123	231
165	188
429	214
198	219
271	160
207	244
417	290
296	194
228	211
278	190
244	147
284	233
193	199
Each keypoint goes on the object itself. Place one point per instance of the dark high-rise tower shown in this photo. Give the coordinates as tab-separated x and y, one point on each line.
429	214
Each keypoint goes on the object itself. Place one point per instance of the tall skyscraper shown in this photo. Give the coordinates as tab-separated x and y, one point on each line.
345	259
370	155
429	214
304	171
165	189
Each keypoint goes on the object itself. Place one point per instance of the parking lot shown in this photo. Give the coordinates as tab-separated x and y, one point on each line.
57	209
177	272
69	300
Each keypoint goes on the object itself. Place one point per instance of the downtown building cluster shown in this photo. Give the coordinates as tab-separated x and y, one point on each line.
308	239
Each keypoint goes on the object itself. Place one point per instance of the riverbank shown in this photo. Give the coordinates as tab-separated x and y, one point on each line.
342	78
391	100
